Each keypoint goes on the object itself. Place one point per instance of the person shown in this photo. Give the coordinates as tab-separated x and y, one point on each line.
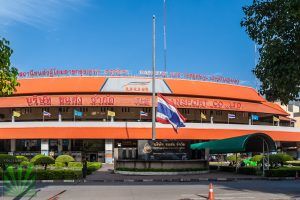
84	168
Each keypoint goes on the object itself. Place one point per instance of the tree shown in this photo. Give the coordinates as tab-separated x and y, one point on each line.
8	74
274	25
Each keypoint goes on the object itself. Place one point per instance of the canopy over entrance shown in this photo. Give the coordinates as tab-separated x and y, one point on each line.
246	143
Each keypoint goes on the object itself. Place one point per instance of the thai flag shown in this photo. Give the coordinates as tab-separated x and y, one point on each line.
47	114
168	114
142	113
231	116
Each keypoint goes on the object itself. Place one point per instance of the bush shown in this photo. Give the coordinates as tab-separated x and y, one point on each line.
44	160
59	165
75	165
283	172
22	158
25	163
279	159
93	166
36	157
232	159
64	159
257	158
6	160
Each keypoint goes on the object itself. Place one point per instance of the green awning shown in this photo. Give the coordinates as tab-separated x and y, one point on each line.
245	143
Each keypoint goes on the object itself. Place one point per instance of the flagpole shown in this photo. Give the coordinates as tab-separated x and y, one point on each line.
165	36
153	79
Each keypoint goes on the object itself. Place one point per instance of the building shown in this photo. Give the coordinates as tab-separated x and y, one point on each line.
293	108
24	130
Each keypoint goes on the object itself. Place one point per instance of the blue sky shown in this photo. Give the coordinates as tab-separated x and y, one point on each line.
203	36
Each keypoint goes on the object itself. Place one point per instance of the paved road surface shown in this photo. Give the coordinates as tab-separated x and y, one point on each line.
244	190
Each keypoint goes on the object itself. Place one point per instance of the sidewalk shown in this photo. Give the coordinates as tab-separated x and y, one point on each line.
105	174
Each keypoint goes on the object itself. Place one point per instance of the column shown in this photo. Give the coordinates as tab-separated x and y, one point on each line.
45	147
12	145
59	146
211	120
298	151
109	151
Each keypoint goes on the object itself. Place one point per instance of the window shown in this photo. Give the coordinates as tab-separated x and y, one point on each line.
26	111
185	111
84	109
146	110
46	109
218	113
125	109
64	109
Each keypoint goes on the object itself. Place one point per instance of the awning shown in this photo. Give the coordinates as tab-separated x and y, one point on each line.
245	143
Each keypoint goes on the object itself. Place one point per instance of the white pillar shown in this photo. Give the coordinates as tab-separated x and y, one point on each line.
250	122
109	151
12	145
59	117
45	147
211	120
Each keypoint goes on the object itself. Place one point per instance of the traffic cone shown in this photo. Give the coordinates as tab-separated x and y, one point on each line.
211	195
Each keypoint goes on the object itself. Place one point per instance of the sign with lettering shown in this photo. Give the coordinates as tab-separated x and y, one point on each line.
162	149
53	72
137	85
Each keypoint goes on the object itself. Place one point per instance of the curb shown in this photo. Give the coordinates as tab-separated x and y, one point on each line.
160	173
174	180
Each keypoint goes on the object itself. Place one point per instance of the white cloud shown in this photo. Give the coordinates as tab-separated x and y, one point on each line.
35	12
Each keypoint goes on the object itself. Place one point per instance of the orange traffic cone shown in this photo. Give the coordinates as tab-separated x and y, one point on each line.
211	195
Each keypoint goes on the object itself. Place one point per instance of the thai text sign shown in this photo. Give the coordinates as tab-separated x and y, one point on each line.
53	72
120	100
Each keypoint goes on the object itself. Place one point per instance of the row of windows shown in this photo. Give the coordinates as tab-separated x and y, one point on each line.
184	111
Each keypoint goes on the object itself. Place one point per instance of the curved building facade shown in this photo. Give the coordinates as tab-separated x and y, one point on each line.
26	129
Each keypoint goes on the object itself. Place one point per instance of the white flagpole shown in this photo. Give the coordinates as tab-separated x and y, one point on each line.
153	80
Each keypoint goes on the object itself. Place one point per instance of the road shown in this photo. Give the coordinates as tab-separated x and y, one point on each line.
244	190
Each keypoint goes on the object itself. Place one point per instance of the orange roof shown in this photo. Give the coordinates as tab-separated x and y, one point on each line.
60	85
210	89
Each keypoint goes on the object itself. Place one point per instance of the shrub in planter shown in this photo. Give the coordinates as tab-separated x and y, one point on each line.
75	165
44	160
22	158
6	160
279	159
64	159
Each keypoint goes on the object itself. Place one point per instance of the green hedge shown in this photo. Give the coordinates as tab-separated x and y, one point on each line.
56	174
283	172
227	168
248	170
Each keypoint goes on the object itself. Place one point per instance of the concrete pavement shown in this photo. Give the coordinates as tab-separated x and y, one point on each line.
264	190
